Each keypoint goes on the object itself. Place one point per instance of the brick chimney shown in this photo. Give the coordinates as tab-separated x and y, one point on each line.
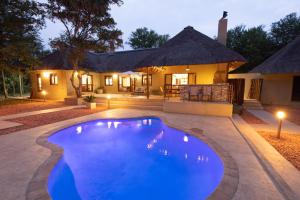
222	29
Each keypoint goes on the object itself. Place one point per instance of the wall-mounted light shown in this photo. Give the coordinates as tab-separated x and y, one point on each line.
75	73
187	68
46	74
115	76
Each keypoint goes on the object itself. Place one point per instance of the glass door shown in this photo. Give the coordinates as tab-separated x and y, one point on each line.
87	83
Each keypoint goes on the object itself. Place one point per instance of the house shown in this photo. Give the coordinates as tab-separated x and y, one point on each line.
276	81
189	58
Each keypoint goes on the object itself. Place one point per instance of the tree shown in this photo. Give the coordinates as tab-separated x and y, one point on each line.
145	38
285	30
253	43
19	25
88	26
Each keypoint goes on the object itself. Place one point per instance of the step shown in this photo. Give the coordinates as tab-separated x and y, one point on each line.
252	104
159	108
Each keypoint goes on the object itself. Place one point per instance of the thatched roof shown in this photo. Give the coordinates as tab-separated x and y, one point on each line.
59	60
101	62
191	47
121	61
286	60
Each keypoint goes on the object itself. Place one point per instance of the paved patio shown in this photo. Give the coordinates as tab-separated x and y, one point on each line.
23	156
272	123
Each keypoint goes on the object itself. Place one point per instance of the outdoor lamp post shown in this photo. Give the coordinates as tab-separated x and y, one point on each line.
280	115
44	93
108	101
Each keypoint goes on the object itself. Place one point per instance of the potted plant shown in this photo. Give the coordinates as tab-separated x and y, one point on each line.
90	101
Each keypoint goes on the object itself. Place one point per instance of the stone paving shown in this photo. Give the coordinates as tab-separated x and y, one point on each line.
272	123
21	156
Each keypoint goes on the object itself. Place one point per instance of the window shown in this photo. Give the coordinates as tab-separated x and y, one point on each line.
53	79
144	79
39	82
179	79
108	80
296	89
87	83
125	81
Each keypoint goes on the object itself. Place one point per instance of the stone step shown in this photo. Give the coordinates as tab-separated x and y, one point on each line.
159	108
252	104
132	102
253	108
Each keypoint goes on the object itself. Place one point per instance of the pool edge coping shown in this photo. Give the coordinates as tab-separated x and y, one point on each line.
37	186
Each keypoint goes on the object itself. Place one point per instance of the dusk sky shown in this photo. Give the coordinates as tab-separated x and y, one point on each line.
171	16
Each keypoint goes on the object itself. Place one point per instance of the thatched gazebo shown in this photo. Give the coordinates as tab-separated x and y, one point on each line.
190	47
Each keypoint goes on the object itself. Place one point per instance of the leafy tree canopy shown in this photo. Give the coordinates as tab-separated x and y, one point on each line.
285	30
88	26
145	38
20	22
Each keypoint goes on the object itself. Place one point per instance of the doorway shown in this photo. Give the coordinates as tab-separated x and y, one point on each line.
238	87
87	83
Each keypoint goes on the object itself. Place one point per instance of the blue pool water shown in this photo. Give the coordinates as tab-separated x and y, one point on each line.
132	159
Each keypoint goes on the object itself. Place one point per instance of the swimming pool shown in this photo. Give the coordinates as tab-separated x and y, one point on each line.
128	159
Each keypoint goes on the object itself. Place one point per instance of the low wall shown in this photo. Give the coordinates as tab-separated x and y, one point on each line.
199	108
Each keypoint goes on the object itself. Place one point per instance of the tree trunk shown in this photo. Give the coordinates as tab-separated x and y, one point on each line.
148	92
20	83
76	88
14	88
4	85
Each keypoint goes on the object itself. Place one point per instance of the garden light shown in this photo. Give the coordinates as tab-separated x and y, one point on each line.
280	115
108	101
44	93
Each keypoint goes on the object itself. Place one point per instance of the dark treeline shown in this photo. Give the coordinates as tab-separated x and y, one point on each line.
256	44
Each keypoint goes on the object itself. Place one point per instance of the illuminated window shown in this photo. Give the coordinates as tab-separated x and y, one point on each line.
39	82
108	80
144	79
179	79
53	79
126	81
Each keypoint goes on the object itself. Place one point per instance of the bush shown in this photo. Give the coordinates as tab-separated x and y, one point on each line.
90	98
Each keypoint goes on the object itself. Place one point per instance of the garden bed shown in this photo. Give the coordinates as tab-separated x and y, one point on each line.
48	118
288	146
14	106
